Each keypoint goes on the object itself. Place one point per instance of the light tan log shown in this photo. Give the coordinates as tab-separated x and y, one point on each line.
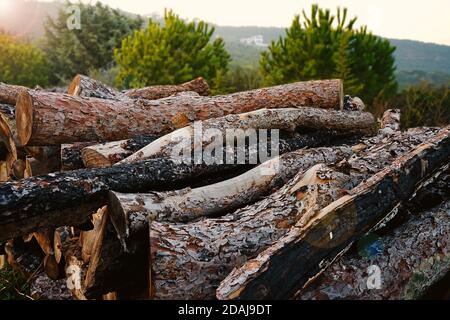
88	238
9	93
50	119
84	86
198	85
217	199
312	245
240	126
7	144
109	153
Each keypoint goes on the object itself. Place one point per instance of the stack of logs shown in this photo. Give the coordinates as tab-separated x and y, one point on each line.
94	205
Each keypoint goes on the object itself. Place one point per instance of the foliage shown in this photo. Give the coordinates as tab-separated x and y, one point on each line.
91	47
327	46
416	77
423	105
174	52
13	285
22	63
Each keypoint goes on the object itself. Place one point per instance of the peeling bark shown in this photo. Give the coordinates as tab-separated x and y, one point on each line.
307	249
109	153
198	85
9	93
411	258
84	86
50	119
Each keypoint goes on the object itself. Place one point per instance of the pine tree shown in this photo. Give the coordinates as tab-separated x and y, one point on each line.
173	52
321	45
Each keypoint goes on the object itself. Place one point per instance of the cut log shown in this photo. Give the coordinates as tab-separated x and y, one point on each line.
216	131
213	200
61	236
45	118
68	198
377	147
71	155
410	260
307	249
106	154
8	150
39	168
9	93
198	85
84	86
45	153
390	122
89	238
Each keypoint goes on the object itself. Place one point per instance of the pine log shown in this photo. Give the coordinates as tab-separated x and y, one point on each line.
8	148
68	198
9	93
411	259
198	85
118	262
308	248
242	125
390	121
217	199
109	153
45	118
8	110
71	155
44	153
84	86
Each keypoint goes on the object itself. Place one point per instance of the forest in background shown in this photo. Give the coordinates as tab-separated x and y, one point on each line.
422	70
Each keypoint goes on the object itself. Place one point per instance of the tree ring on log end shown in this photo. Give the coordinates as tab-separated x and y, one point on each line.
74	86
24	117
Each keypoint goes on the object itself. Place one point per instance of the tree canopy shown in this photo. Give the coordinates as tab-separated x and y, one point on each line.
22	63
73	51
329	46
172	52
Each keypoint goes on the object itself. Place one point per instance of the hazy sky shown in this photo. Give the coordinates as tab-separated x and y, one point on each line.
425	20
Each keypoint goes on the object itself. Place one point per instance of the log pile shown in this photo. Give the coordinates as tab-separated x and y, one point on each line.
165	192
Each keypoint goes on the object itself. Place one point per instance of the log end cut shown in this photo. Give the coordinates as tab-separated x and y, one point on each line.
94	159
24	117
74	88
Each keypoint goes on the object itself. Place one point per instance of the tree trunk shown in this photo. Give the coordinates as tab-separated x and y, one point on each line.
117	262
285	267
8	110
8	150
109	153
71	155
9	93
231	127
50	119
68	198
198	85
84	86
411	258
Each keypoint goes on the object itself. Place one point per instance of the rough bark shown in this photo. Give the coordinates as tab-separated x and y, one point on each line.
49	119
9	93
204	252
390	121
8	110
198	85
243	125
71	155
109	153
84	86
308	248
8	149
67	198
411	258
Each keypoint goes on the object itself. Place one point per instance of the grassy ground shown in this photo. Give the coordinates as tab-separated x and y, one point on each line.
13	285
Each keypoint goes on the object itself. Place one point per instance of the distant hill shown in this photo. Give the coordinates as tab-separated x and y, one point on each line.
415	60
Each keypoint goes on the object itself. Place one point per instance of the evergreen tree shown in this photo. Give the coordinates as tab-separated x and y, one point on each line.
22	63
327	46
174	52
91	47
